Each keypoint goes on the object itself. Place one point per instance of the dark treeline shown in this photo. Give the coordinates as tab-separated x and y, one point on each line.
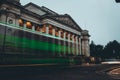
111	50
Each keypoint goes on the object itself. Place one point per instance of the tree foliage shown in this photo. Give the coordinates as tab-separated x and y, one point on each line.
111	50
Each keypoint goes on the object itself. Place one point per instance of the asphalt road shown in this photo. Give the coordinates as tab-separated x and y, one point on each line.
95	72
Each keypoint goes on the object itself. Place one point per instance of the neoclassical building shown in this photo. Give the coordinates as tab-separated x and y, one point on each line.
31	29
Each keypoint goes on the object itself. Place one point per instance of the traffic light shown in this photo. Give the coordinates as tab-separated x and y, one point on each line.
117	1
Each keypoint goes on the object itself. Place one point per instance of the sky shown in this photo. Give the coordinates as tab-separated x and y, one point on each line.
100	17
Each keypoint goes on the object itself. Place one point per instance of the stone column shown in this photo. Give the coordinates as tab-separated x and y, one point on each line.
53	31
59	42
47	32
23	40
33	28
85	43
80	46
24	25
59	34
53	41
87	48
17	22
69	44
73	44
77	45
64	36
83	47
47	29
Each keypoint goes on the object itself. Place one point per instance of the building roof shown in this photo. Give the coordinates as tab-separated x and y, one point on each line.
30	6
66	20
44	12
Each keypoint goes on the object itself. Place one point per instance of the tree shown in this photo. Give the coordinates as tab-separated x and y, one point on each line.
92	48
96	50
112	49
99	50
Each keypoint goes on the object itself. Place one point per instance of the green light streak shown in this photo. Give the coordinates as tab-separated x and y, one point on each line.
24	44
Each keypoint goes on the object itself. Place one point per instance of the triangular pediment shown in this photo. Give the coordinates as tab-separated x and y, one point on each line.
66	19
35	9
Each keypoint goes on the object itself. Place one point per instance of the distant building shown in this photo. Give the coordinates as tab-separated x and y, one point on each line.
32	29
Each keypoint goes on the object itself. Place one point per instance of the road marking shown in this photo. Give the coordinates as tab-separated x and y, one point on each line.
27	65
115	71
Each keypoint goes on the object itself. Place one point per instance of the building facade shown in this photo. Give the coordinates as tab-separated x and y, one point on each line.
31	29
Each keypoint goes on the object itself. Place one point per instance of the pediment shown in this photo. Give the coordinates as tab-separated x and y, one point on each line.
67	20
35	9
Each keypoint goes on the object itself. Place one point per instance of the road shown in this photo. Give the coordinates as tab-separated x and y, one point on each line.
93	72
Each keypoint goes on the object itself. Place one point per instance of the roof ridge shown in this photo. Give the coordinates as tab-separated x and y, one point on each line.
49	10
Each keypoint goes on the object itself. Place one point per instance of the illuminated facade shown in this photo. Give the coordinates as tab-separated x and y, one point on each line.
31	29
